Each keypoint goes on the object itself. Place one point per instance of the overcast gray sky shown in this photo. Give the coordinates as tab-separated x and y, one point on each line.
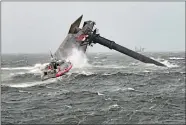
36	27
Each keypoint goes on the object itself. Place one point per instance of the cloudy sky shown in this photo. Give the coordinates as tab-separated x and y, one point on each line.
36	27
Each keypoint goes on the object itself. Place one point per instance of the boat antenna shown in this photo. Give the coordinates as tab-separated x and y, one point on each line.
51	54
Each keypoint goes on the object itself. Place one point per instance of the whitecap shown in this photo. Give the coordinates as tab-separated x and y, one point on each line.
30	84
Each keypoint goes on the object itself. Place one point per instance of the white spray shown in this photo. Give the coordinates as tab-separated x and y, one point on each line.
78	58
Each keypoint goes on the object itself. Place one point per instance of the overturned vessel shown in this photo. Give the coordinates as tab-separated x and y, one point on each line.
80	38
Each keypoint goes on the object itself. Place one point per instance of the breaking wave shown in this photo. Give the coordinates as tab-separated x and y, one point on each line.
165	62
17	68
36	68
30	84
176	58
168	64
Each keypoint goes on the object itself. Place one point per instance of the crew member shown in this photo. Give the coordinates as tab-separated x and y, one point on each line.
53	64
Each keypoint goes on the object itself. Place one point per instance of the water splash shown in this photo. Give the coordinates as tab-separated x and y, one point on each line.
168	64
78	58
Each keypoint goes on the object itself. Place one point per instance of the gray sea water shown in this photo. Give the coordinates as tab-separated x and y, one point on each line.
109	88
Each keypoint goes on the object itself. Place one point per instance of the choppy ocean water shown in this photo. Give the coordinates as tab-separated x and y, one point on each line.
102	88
